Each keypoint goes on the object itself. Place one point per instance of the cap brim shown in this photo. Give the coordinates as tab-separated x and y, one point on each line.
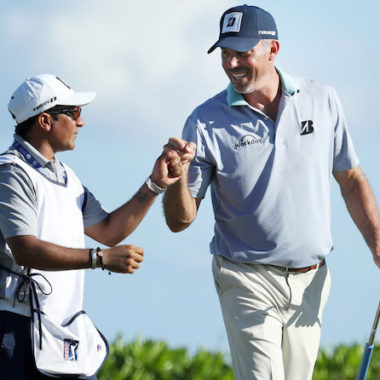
239	44
78	99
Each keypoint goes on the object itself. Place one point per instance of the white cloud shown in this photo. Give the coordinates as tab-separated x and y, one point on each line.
132	54
123	46
148	59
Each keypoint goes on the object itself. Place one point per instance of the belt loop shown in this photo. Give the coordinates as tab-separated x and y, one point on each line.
290	289
321	263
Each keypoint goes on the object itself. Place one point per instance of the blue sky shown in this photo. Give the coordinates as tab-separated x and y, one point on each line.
148	63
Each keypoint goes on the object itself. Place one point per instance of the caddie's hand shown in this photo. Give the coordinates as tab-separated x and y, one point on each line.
123	258
173	161
161	174
184	149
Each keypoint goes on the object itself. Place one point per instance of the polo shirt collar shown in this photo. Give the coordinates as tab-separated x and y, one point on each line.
289	86
43	161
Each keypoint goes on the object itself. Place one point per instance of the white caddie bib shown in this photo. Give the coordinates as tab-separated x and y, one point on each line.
64	340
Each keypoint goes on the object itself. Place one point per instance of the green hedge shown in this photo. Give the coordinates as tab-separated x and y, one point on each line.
343	363
150	360
154	360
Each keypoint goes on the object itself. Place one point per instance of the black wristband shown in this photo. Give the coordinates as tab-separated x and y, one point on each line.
92	258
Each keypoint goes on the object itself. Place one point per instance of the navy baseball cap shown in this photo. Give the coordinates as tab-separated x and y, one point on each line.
242	27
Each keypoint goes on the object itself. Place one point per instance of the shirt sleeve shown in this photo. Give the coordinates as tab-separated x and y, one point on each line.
201	168
93	211
345	157
18	203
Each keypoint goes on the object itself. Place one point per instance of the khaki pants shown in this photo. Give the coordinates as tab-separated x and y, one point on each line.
273	318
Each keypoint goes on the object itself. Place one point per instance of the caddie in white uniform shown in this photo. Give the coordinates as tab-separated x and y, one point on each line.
267	146
45	211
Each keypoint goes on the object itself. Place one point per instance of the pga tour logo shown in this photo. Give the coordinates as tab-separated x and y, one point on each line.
70	349
232	22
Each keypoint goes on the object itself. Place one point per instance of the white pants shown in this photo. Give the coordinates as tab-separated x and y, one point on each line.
273	319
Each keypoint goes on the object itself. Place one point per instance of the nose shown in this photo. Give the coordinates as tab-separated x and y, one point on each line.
234	62
79	122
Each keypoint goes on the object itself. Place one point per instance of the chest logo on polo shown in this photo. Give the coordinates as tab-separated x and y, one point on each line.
248	140
251	134
307	127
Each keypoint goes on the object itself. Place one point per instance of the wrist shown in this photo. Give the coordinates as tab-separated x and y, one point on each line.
154	186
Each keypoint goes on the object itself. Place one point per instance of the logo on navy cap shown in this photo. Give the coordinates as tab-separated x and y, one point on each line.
232	22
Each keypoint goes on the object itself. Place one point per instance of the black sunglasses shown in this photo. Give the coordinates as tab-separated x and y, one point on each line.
73	112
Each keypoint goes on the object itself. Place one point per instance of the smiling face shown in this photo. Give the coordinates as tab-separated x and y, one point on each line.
248	71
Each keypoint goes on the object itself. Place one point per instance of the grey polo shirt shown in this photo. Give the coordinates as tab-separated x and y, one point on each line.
18	204
270	180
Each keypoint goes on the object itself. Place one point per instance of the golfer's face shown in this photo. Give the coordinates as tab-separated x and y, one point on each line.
246	70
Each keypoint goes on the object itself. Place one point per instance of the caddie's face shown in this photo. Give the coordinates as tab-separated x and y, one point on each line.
64	132
247	70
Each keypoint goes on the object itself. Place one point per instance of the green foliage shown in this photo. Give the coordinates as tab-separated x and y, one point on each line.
343	363
149	360
154	360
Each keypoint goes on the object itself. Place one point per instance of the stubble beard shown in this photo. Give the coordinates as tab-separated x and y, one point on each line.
247	88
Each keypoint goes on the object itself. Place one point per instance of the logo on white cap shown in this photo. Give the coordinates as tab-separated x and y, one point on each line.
42	92
232	22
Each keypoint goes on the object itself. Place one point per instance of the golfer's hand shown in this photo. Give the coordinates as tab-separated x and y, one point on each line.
173	162
179	154
184	150
123	258
161	174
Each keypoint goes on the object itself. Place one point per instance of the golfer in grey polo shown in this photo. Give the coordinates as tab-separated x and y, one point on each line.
271	188
267	146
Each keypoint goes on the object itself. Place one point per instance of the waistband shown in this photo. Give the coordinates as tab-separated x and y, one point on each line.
301	270
15	307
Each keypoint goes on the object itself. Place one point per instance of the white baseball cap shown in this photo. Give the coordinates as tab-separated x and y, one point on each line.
42	92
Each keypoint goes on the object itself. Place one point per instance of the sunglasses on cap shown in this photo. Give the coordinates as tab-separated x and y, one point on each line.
72	112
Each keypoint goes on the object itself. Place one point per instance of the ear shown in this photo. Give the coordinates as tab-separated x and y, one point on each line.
274	49
45	121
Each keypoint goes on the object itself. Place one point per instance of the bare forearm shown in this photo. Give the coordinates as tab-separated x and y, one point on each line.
179	206
31	252
123	221
363	210
362	207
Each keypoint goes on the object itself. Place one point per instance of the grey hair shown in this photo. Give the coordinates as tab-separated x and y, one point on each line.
267	43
